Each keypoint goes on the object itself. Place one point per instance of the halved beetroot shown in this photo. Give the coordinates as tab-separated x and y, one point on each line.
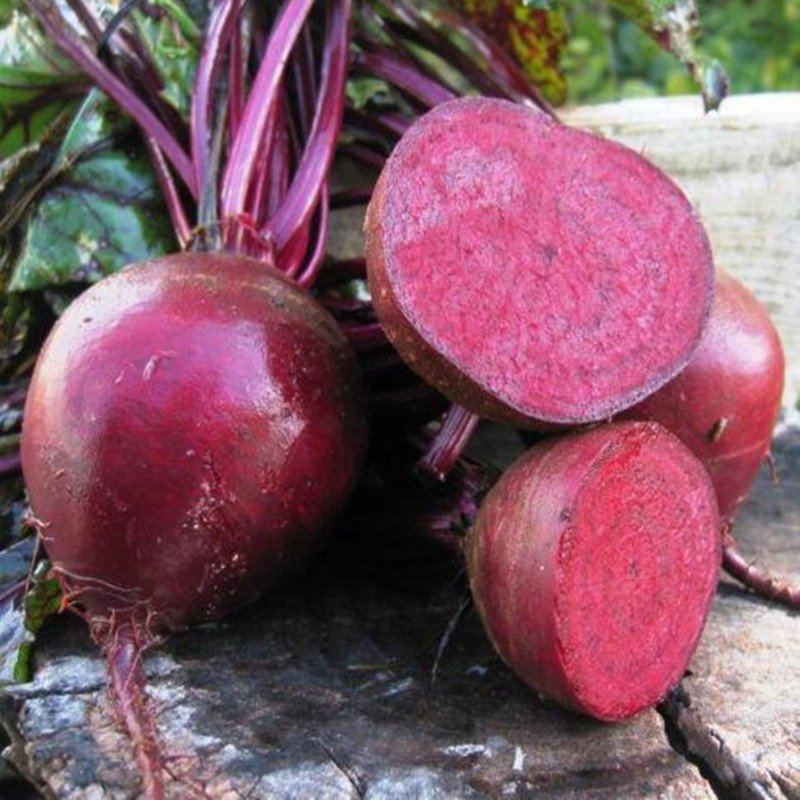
593	563
531	272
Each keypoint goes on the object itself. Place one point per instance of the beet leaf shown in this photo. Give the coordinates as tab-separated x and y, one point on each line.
101	210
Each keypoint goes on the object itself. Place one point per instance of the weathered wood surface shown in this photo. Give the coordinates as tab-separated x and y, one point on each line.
741	168
739	711
324	691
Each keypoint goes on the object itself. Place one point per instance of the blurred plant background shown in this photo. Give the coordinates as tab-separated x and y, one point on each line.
607	57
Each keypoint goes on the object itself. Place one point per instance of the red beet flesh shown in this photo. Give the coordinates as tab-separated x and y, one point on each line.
723	406
593	563
192	427
532	272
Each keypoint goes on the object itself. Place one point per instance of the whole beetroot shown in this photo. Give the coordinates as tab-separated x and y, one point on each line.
192	427
724	405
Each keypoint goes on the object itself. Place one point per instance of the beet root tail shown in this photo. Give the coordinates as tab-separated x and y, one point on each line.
758	579
123	659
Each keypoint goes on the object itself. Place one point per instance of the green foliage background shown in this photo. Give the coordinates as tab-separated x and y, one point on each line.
607	57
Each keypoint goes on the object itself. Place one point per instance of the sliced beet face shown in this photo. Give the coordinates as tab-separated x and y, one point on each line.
193	426
531	272
724	405
593	563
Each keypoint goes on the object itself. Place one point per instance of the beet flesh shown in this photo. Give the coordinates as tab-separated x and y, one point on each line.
532	272
193	425
593	563
724	405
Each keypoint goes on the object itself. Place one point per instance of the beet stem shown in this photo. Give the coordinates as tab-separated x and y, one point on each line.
773	469
258	110
501	66
449	442
124	661
272	171
394	42
411	24
365	334
312	269
221	30
303	69
304	190
237	69
177	213
403	75
757	579
14	590
104	43
395	125
465	603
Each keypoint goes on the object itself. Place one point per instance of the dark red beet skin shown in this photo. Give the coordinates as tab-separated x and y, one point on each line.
532	272
724	405
593	563
192	427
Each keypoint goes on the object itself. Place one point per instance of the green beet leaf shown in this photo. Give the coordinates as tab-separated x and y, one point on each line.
101	210
36	84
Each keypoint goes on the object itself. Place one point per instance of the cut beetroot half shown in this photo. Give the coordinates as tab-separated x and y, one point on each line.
593	563
532	272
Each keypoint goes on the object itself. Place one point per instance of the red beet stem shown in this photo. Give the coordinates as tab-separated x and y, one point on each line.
304	71
13	590
448	444
172	198
258	111
757	579
303	193
221	30
237	74
403	75
311	270
487	66
501	67
125	643
271	174
368	334
384	125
